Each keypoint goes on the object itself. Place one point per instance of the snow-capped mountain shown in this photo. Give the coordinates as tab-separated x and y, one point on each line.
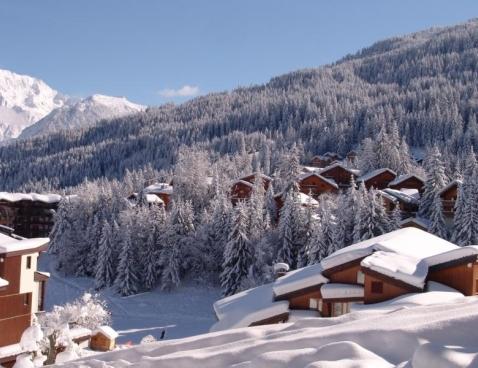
23	101
82	113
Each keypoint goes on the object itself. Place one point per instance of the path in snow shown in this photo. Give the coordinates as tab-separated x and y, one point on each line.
185	312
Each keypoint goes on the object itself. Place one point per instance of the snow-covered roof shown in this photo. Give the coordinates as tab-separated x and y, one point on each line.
159	188
402	178
307	200
453	183
263	176
375	173
249	306
247	183
16	197
299	279
153	198
280	266
327	180
417	220
452	255
403	195
79	332
310	168
356	172
405	268
3	282
9	244
107	331
408	241
339	291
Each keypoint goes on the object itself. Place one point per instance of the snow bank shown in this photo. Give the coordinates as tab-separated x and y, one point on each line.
249	306
299	279
338	291
359	339
400	267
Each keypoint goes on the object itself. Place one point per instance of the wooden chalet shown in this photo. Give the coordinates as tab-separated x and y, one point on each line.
408	181
449	195
324	160
378	179
163	191
242	188
103	339
372	271
340	174
30	214
304	199
22	290
314	184
406	199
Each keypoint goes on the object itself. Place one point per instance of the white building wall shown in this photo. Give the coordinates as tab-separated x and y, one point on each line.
27	279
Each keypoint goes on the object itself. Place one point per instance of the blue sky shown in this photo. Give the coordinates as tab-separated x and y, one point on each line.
154	51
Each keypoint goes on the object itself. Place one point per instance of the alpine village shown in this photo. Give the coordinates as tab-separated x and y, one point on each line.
325	218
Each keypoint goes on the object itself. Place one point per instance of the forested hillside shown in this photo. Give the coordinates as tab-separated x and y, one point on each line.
425	84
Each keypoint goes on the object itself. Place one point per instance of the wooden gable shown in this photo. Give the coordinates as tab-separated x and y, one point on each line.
412	182
316	185
380	180
339	174
461	275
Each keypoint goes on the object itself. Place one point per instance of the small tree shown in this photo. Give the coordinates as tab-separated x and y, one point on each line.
87	311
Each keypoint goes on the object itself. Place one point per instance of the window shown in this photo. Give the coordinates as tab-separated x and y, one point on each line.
340	309
26	299
320	305
313	303
476	286
360	277
377	287
29	262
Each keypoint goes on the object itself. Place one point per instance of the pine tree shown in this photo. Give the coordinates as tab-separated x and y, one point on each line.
437	226
151	262
435	181
238	255
169	261
372	218
105	268
395	218
127	279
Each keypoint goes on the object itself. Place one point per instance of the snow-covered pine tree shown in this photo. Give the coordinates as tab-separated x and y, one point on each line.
435	181
437	222
106	266
238	255
127	278
465	225
395	218
372	218
270	204
170	265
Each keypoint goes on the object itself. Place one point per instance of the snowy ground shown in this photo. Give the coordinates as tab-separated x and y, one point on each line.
185	312
422	336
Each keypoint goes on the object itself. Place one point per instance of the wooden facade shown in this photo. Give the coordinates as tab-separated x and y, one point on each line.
30	219
449	196
381	180
242	188
461	275
101	342
410	182
315	185
379	288
340	174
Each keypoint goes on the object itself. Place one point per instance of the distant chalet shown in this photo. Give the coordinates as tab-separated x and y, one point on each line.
29	214
372	271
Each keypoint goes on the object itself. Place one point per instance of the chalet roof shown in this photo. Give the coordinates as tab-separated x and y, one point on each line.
405	268
32	197
107	331
153	198
409	241
375	173
404	195
329	181
9	244
299	279
304	199
456	182
341	291
244	182
10	350
159	188
416	220
400	179
452	255
355	172
246	307
310	169
263	176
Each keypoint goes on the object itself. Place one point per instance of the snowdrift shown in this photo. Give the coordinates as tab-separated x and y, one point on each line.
443	334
